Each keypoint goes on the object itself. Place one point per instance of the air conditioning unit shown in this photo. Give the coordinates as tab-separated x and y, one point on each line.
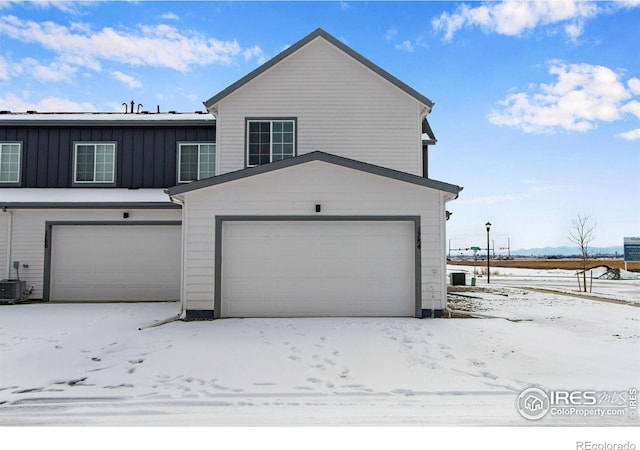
12	291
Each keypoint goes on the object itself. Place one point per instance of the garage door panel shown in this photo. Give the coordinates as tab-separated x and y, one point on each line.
318	268
115	262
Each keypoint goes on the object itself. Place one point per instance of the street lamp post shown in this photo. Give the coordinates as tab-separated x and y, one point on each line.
488	225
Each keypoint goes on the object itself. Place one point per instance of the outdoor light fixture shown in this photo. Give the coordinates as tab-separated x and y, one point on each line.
488	225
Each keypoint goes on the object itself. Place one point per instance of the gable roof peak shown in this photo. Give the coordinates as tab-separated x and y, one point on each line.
316	155
319	33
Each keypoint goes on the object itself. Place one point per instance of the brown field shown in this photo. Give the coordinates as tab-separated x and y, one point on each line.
532	263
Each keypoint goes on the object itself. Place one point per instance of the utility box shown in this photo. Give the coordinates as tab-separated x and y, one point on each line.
458	278
11	291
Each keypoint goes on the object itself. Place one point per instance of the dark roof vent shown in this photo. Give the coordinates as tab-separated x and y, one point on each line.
173	112
32	112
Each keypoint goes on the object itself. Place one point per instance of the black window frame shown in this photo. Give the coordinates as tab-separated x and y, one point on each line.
85	183
271	120
179	157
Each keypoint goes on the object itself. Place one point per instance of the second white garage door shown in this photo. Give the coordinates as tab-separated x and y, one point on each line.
115	262
318	268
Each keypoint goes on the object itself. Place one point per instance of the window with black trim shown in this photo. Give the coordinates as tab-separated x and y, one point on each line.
270	140
10	154
196	161
94	163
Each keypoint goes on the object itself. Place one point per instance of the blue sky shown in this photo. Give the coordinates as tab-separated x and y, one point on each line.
537	109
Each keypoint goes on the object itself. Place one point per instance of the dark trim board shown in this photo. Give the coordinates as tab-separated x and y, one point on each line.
220	220
435	313
48	240
198	314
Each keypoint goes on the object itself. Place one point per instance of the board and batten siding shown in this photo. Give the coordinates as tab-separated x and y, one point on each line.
28	235
341	107
295	191
146	157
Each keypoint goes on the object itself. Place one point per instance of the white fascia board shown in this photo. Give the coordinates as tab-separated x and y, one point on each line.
85	196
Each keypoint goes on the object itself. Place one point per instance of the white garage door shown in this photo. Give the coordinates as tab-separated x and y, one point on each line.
115	262
318	268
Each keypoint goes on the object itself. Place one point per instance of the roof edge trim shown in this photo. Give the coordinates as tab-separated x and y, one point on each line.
315	156
301	43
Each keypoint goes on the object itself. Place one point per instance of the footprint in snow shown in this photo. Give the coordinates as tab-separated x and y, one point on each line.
488	375
477	363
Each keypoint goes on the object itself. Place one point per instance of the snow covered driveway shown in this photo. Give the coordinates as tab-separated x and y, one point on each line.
89	364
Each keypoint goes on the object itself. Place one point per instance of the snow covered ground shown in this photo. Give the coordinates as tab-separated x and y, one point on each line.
91	364
626	289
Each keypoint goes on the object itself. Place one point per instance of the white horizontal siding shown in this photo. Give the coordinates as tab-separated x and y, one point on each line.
341	108
28	234
295	191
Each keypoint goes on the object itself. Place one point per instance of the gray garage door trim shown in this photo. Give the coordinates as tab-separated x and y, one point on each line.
50	235
219	221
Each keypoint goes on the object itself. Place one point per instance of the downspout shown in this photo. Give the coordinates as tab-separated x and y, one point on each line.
446	199
9	238
183	311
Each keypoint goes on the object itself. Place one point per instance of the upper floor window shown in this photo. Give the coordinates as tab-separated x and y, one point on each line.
94	163
10	162
270	140
196	161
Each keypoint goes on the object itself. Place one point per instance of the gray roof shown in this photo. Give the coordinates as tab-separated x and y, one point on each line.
301	43
104	118
315	156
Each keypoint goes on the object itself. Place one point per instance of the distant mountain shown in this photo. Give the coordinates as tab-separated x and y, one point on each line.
568	251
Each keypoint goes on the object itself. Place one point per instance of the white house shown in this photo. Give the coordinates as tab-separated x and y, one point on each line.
321	204
83	213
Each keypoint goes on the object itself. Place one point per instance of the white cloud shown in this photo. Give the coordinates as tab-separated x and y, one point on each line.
513	18
632	135
574	30
407	46
56	71
4	69
12	102
581	96
157	46
628	3
391	33
169	16
126	79
256	53
633	107
634	84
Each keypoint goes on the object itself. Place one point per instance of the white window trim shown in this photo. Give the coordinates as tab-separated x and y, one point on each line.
19	144
180	144
293	120
75	161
